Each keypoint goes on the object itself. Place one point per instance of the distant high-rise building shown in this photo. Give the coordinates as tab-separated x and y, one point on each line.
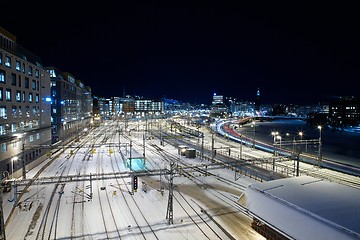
344	111
257	100
218	108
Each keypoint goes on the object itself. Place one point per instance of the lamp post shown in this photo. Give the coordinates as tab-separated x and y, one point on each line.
240	147
253	134
320	156
279	138
274	134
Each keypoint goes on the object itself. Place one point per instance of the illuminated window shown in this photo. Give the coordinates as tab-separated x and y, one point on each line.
14	110
3	147
27	111
3	112
2	76
14	129
30	97
8	61
2	130
8	95
33	85
30	70
18	96
18	65
37	73
37	98
1	94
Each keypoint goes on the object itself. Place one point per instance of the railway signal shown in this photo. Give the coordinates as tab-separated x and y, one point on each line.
135	179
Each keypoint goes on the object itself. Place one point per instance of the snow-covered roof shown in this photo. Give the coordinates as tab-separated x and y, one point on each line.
306	207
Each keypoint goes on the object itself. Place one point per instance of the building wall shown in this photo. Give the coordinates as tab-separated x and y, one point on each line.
24	111
71	106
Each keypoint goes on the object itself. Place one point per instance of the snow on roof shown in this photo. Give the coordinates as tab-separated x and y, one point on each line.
324	209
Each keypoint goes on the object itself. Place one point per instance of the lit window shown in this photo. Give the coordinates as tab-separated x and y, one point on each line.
8	61
33	85
18	65
30	70
1	94
2	130
37	73
30	97
18	96
3	147
37	98
3	112
8	95
27	110
2	76
14	110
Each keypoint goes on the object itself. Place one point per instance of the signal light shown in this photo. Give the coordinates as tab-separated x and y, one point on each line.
135	182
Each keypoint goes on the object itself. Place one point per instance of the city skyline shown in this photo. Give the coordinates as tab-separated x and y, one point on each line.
188	51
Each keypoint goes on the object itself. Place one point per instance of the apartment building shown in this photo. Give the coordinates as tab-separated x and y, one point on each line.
71	106
25	126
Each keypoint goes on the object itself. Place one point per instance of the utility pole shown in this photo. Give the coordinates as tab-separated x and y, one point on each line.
212	147
320	154
130	155
240	147
202	147
23	157
170	212
144	145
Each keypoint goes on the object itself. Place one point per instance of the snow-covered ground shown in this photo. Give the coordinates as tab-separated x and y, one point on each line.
204	207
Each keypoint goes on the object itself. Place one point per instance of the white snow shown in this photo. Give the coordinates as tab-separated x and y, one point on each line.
146	209
326	210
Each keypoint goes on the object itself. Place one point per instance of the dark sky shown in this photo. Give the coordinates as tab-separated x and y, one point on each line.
294	51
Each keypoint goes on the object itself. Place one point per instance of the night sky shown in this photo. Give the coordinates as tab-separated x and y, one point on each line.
293	51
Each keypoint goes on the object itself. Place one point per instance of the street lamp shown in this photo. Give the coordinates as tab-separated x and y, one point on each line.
320	157
253	134
274	134
301	135
279	137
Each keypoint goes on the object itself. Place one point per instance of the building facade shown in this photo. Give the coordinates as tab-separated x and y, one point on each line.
25	127
71	106
344	111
